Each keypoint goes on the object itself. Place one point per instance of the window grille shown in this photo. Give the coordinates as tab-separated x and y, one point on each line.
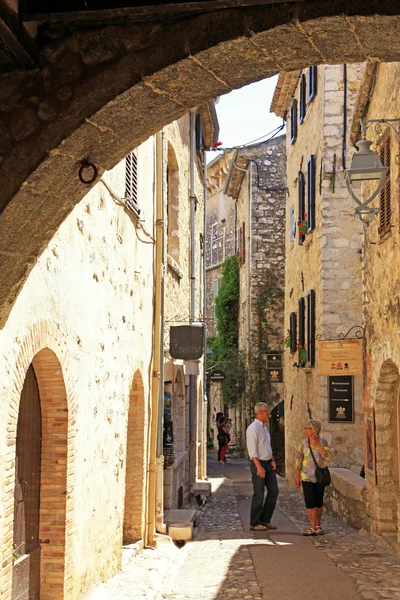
303	92
217	244
311	328
293	122
311	193
131	182
385	210
301	204
312	83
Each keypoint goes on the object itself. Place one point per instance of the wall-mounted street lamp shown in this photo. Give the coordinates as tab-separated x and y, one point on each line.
366	167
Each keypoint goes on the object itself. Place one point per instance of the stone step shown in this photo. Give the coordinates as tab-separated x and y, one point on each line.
181	516
201	488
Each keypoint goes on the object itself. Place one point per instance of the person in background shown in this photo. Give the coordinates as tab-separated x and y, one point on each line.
223	438
305	474
263	470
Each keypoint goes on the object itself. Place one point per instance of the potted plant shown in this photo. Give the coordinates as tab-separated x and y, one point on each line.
303	355
303	225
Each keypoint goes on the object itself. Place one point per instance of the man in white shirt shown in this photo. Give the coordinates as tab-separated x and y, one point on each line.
263	470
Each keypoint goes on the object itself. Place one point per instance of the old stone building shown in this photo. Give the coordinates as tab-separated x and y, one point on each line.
378	99
245	217
79	378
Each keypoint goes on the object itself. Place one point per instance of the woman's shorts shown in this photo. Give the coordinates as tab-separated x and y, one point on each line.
313	494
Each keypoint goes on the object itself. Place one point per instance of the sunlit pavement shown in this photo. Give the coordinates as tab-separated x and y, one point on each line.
227	561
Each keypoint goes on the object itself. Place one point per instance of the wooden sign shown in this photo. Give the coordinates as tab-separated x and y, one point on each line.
186	342
340	393
340	357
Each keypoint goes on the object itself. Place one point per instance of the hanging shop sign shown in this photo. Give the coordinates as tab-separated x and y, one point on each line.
340	394
274	368
217	376
341	357
186	342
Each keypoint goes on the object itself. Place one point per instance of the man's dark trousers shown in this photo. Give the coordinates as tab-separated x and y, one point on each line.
261	512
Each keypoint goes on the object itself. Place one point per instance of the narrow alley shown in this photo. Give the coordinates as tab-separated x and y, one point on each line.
225	560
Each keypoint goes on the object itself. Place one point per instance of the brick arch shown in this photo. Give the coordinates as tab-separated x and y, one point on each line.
100	93
135	480
384	494
41	348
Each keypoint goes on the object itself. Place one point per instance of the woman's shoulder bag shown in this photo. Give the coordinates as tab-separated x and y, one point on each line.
322	474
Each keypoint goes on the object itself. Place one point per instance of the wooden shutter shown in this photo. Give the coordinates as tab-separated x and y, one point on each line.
301	203
312	83
131	182
303	105
293	332
311	327
385	210
302	323
311	193
293	122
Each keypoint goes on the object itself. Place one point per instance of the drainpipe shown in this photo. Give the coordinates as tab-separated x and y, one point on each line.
192	309
160	525
156	375
204	403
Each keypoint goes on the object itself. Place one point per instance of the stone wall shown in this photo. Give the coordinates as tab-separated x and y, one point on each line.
328	262
89	300
346	498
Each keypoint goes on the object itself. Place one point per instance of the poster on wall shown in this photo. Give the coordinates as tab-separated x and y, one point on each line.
340	394
369	444
340	357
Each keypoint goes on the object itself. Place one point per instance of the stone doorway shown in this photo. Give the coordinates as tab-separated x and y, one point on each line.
384	494
135	479
40	560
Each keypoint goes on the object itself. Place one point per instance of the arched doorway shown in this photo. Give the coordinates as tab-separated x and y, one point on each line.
40	562
135	479
384	483
277	430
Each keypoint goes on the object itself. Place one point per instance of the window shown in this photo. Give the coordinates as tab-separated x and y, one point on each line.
303	92
385	202
292	225
293	332
131	182
293	122
311	193
311	328
199	135
216	290
217	244
173	237
301	206
312	83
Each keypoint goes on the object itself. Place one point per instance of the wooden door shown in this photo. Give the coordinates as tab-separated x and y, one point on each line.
26	556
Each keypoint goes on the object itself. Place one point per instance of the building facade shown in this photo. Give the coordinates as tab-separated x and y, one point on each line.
80	435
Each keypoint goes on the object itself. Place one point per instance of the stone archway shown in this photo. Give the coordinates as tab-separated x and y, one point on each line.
135	480
99	93
57	460
383	510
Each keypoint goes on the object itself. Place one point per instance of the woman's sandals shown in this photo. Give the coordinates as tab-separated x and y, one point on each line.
317	531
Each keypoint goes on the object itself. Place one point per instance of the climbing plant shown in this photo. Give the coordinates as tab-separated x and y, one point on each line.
225	345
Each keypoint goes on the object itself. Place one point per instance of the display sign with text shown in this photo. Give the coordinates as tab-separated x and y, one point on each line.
341	357
340	394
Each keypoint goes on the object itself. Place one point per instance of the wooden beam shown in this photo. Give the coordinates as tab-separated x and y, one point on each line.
16	38
88	10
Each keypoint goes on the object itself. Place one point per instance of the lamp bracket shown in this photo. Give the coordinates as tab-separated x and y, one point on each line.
394	125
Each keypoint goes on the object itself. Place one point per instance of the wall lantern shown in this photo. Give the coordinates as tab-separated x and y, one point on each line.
366	167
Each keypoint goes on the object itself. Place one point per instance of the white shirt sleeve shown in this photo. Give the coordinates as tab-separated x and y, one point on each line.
251	441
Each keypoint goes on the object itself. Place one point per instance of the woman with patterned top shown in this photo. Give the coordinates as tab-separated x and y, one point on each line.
305	474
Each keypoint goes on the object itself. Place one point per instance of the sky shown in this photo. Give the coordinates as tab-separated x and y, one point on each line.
244	115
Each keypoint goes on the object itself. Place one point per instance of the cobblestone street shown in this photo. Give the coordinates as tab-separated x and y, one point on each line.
225	561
